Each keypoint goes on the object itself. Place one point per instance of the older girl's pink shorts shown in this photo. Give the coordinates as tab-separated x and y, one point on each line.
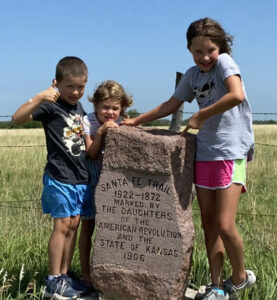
220	174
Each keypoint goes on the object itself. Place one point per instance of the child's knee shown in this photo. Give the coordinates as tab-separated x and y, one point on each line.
227	231
61	225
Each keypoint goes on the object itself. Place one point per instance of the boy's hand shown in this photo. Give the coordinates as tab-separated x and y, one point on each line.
51	94
24	112
110	124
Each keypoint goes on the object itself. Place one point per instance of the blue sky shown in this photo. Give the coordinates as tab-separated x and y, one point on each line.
139	43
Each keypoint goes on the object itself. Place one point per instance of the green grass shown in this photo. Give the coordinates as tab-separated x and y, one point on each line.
25	231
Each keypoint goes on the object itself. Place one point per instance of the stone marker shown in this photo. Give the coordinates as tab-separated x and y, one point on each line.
144	238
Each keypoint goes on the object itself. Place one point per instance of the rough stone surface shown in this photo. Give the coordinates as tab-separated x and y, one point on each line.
144	239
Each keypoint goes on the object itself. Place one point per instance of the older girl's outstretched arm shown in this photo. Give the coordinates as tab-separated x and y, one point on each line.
160	111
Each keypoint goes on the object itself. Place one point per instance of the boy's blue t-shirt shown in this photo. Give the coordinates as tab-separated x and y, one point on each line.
225	136
64	133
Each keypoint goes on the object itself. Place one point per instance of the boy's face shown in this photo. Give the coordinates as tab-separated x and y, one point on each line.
72	88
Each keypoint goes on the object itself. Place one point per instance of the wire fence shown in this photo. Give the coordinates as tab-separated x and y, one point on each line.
184	112
34	204
33	146
37	201
250	234
188	113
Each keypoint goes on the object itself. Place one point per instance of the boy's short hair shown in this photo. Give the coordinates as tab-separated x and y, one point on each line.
70	66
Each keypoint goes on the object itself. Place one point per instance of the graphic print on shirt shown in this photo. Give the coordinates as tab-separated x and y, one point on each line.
203	94
73	134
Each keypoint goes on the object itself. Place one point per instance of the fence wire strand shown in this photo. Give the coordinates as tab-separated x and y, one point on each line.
248	232
6	204
187	113
30	146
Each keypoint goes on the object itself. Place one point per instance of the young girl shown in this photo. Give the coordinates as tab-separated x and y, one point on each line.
224	144
110	102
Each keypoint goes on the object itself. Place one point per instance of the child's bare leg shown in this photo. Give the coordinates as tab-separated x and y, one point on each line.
69	246
56	244
227	200
87	229
214	244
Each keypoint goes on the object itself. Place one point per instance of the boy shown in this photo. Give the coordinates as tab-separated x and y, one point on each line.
65	177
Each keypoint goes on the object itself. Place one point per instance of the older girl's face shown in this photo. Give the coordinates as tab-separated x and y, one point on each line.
108	110
205	53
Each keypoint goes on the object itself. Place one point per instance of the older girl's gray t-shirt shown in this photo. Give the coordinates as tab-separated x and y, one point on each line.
225	136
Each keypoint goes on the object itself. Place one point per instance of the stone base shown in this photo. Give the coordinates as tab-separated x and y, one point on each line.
190	295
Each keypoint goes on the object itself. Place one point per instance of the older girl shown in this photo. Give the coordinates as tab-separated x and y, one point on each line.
225	143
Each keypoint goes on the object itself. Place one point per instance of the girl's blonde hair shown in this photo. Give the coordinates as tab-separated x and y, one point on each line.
111	89
211	29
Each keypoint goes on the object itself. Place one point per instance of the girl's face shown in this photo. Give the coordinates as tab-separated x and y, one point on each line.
108	110
205	53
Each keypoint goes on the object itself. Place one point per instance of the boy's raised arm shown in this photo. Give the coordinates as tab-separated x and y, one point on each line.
24	112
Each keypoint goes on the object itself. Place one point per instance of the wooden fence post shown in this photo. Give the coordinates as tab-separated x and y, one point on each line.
177	116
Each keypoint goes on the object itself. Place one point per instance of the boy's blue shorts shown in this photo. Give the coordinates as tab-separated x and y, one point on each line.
63	200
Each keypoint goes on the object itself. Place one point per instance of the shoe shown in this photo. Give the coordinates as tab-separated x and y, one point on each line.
201	294
248	282
77	284
212	292
58	288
